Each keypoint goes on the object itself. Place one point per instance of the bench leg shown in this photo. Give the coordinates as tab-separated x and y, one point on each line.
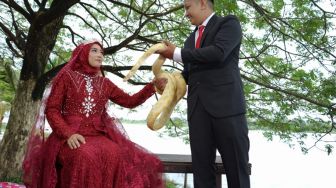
185	180
219	180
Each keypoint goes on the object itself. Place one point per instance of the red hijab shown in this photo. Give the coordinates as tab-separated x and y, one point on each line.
81	63
40	160
79	60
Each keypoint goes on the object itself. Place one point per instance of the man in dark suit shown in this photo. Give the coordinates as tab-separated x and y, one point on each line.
216	104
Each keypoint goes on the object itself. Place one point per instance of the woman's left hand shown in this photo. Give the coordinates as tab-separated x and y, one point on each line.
75	140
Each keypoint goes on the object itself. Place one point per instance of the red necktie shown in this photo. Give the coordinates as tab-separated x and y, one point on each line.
200	33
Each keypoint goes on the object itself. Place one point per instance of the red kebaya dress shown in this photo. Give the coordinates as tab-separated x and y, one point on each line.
77	104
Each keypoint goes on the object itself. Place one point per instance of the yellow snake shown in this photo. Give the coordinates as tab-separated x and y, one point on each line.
175	88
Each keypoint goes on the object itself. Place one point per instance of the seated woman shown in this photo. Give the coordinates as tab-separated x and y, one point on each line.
87	147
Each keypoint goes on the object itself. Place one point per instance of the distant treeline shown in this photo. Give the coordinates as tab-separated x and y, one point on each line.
293	125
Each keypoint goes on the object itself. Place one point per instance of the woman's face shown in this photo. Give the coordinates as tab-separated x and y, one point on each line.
96	56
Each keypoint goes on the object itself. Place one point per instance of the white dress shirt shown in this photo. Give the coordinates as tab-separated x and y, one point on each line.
177	52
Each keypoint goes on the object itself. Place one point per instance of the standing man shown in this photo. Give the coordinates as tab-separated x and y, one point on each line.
216	104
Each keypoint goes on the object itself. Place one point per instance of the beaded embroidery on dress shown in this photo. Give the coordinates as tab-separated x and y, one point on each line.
77	104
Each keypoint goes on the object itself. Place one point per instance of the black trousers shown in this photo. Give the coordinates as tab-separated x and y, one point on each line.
230	136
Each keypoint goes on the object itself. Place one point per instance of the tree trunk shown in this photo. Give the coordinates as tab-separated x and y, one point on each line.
40	43
19	124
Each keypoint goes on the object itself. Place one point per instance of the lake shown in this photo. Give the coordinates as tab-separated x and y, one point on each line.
274	163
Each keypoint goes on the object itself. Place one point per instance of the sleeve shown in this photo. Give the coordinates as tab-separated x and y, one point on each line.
118	96
185	73
227	38
177	55
54	109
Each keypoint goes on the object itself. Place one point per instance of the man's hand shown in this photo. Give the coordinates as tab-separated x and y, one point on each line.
75	140
160	83
169	51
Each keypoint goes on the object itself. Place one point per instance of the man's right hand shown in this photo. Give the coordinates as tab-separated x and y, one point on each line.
169	51
75	140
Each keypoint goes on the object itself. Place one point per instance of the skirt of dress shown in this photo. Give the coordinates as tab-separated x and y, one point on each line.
108	159
93	164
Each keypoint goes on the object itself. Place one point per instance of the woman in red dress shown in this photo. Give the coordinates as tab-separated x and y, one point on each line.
87	147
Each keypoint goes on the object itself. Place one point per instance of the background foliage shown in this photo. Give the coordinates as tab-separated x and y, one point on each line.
287	56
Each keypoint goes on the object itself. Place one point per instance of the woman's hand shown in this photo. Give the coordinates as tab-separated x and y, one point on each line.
160	83
75	140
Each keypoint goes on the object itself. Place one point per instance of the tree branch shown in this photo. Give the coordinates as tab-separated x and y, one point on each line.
16	53
103	35
113	49
18	8
57	9
28	7
116	71
38	3
7	32
72	33
299	96
44	3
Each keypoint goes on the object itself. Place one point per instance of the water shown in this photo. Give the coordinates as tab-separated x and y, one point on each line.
274	164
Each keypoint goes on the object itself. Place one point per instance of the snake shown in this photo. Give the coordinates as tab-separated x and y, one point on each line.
173	92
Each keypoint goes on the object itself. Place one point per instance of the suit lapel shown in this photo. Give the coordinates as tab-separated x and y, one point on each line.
208	27
192	38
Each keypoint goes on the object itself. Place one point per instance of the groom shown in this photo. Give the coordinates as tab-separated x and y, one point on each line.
216	103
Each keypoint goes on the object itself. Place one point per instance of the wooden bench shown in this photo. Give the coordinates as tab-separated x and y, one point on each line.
175	163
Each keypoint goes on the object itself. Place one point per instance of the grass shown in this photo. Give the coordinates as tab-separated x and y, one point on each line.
12	179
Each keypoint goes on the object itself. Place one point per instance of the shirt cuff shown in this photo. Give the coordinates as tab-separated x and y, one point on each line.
177	55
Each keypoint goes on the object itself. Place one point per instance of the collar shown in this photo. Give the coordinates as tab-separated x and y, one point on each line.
205	22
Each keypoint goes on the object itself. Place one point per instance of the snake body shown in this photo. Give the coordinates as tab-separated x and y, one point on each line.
175	89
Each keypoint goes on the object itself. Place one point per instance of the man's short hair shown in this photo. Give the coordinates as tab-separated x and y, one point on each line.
211	3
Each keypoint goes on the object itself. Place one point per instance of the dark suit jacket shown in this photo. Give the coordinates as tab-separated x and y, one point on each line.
211	71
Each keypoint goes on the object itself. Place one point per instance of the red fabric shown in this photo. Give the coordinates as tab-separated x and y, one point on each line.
199	37
10	185
82	64
77	104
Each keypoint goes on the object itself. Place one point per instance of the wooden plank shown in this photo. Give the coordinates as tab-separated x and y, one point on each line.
180	158
177	163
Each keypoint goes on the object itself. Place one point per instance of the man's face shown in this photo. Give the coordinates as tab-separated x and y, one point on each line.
193	11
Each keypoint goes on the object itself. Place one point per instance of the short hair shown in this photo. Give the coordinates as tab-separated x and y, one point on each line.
211	4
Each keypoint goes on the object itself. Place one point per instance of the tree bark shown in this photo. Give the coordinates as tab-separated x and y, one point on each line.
20	121
39	45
